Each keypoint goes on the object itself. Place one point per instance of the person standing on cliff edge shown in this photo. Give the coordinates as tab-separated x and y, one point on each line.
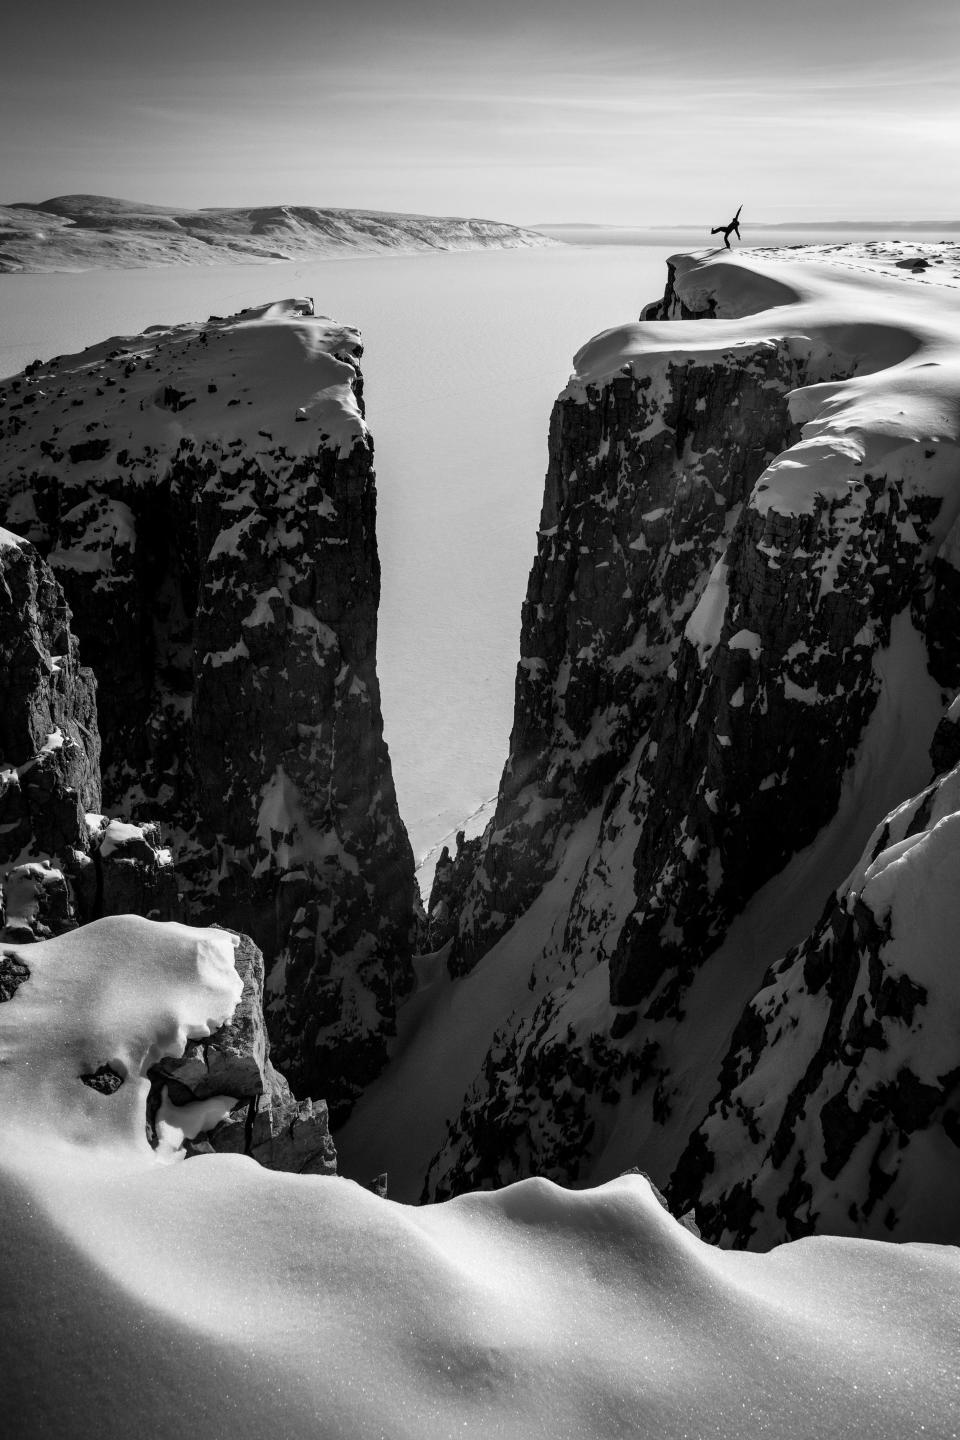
725	230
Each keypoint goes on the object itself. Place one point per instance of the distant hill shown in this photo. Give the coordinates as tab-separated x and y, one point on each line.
87	232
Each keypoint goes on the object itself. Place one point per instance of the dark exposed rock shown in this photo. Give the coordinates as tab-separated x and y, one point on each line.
62	863
674	306
836	1108
945	745
277	1131
451	878
48	732
784	692
267	1122
104	1079
13	972
943	618
134	871
37	903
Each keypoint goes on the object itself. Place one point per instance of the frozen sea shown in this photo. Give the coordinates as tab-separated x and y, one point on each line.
465	353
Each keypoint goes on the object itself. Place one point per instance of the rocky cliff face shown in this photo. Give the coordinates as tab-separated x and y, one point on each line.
649	475
62	863
205	496
737	639
838	1109
48	727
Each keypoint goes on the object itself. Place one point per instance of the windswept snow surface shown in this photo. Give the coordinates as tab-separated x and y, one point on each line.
890	310
277	365
141	1296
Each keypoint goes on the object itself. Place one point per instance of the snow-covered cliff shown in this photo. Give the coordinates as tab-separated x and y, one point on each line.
738	639
205	497
838	1105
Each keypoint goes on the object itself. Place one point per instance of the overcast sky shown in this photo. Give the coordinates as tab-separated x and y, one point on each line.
616	111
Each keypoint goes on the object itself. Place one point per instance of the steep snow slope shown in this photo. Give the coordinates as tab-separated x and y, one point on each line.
205	496
138	1292
82	232
737	641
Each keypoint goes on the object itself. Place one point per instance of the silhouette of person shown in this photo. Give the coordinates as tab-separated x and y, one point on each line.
725	230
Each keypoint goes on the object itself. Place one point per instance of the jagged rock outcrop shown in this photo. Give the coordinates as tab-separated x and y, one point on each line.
451	878
62	864
124	870
49	745
205	495
265	1121
37	903
945	746
744	586
838	1108
13	972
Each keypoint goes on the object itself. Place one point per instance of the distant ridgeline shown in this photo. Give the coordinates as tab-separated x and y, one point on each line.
82	232
712	920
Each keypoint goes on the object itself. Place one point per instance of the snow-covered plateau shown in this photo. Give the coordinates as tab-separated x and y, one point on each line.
83	232
708	933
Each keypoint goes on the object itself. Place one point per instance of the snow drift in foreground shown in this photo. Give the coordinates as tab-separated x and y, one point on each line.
85	232
139	1292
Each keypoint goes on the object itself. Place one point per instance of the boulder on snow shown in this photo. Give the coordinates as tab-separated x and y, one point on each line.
277	1130
13	972
36	903
266	1122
